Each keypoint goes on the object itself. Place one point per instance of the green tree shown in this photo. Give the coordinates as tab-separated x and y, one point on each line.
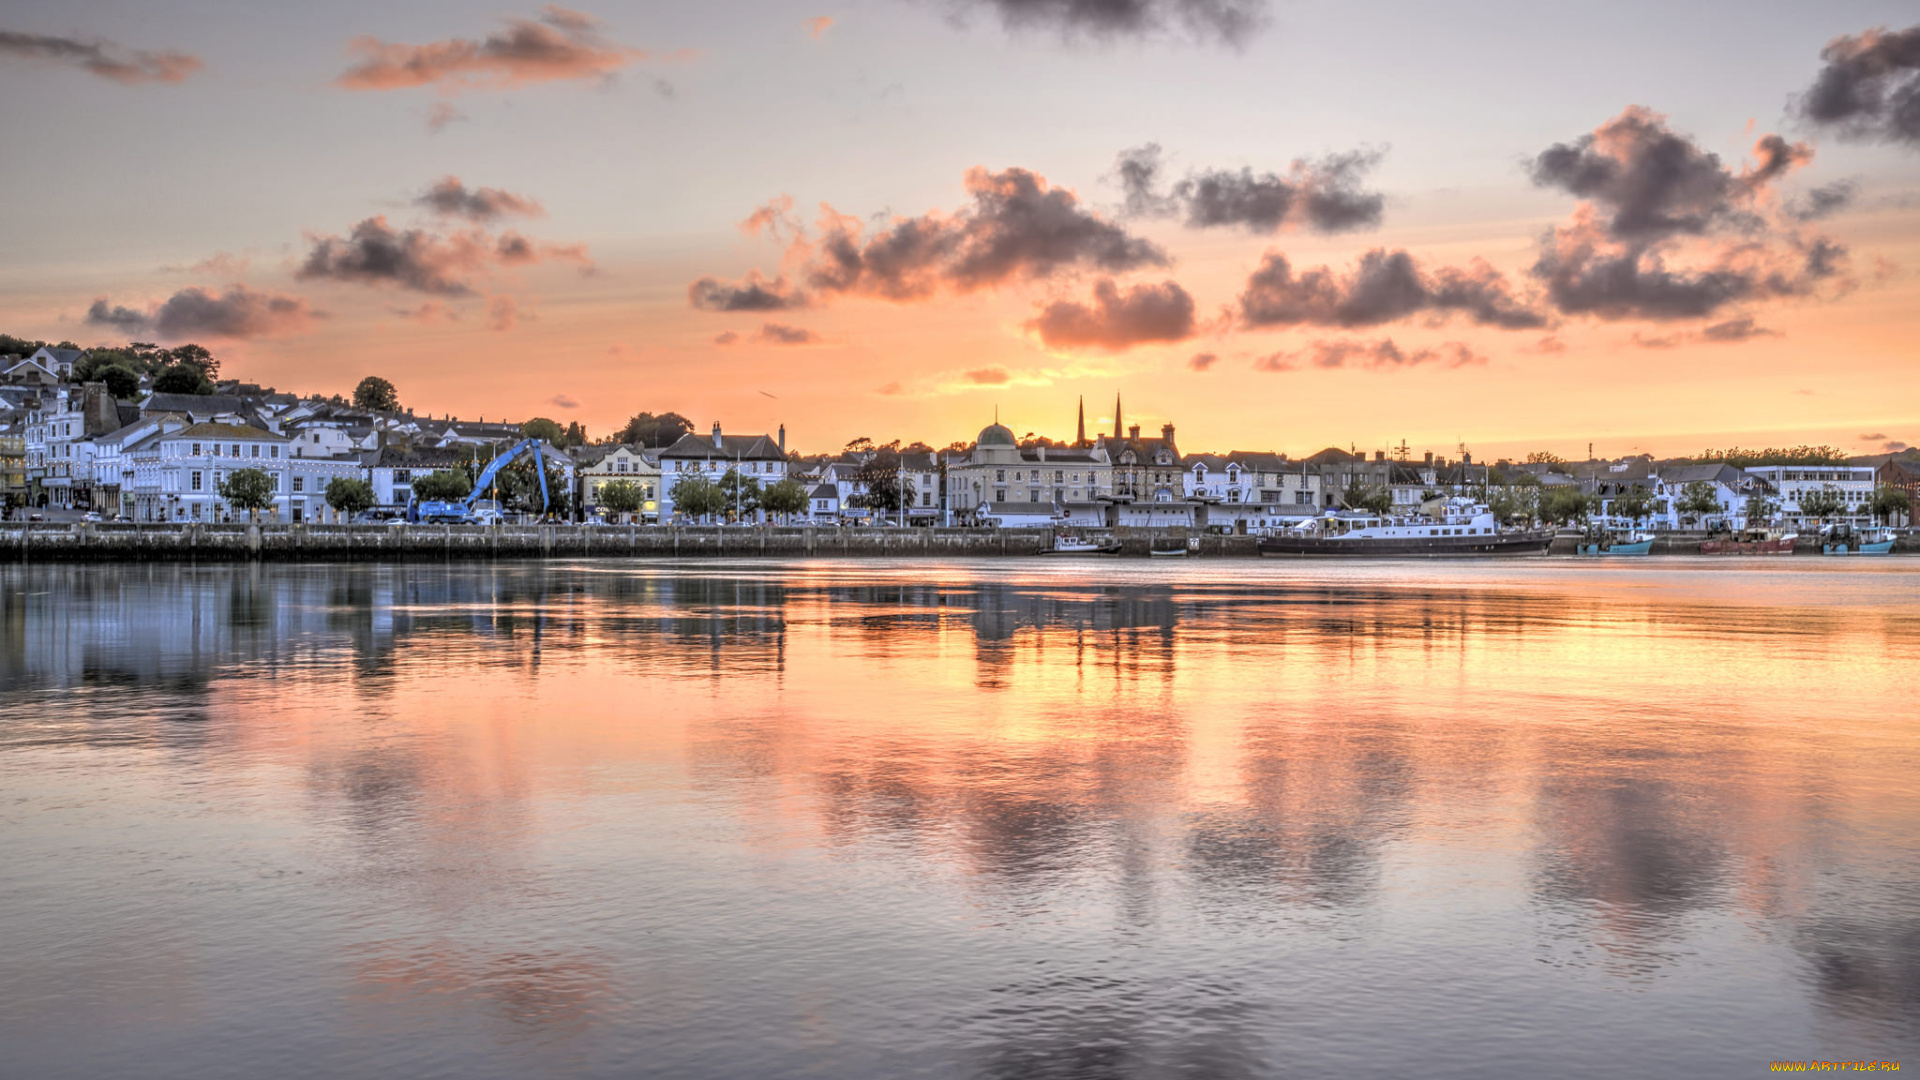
739	495
622	496
198	357
1888	501
182	379
786	498
881	489
445	485
349	496
377	394
545	430
1760	509
1545	457
647	429
696	497
518	486
1567	504
1789	455
1699	500
248	489
1360	495
576	435
1633	504
1823	504
1515	503
122	382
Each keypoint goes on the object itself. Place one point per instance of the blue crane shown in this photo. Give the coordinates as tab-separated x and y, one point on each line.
461	510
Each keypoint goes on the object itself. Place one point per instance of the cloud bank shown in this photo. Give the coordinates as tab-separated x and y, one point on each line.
448	197
195	312
1386	286
1226	22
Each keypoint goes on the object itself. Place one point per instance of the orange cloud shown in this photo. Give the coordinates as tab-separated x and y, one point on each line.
817	25
562	45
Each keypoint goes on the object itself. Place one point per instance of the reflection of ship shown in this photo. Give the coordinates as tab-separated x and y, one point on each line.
1072	543
1842	539
1460	528
1749	542
1599	540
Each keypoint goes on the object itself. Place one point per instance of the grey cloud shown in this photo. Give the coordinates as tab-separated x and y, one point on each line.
1652	183
1586	275
450	198
1648	188
1203	361
239	312
1384	287
1017	228
376	254
1870	88
1228	22
1323	195
753	294
1823	201
1118	320
129	67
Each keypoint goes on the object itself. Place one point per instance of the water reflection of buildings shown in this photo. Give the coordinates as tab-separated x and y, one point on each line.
1160	753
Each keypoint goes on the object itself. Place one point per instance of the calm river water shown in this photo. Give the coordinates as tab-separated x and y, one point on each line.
998	819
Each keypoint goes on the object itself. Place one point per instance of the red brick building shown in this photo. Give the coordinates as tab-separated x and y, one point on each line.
1904	474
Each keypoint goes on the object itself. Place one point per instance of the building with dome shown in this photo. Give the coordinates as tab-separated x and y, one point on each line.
1001	484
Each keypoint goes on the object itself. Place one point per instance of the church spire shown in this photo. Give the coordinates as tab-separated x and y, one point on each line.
1119	429
1080	443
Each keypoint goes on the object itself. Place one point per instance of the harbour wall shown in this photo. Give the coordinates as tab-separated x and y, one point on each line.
126	542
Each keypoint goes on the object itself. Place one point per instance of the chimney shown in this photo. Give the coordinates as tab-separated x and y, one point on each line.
1133	431
717	444
1042	449
1429	459
783	439
1166	432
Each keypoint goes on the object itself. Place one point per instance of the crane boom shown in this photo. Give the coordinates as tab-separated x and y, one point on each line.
461	510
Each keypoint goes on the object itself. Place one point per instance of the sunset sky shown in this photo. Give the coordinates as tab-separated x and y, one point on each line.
1278	225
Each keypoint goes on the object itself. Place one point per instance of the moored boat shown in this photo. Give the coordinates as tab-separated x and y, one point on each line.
1844	539
1600	540
1071	543
1750	542
1460	528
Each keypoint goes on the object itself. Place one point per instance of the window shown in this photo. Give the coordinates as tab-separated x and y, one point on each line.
299	483
236	449
1033	494
196	481
999	494
196	449
276	452
999	476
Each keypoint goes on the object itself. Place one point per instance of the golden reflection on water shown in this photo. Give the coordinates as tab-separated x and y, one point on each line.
603	809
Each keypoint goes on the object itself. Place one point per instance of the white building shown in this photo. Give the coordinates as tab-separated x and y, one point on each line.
761	457
1791	482
177	474
602	465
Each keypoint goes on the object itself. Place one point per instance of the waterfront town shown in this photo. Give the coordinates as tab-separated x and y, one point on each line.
149	435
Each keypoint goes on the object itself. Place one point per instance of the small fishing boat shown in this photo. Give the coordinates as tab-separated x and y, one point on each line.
1600	540
1071	543
1168	552
1844	539
1758	541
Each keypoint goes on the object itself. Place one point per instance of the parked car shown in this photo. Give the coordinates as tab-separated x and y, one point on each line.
91	515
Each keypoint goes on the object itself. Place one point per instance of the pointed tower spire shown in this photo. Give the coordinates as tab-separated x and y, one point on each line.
1080	443
1119	429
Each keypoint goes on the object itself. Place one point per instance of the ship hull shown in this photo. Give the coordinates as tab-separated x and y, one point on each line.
1638	547
1411	547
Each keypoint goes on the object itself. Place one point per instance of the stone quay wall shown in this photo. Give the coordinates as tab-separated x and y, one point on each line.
126	542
